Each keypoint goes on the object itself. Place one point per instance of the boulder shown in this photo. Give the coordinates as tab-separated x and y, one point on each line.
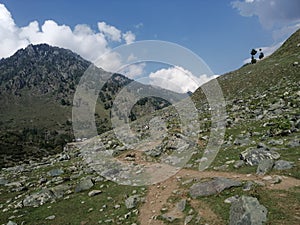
55	172
39	198
264	166
247	210
252	156
132	201
212	187
84	185
283	165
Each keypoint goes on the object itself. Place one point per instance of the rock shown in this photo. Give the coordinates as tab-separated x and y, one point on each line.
293	143
247	210
132	201
38	198
283	165
55	172
238	164
60	190
253	156
188	219
3	181
168	217
275	142
231	199
94	192
50	217
84	185
264	166
11	223
248	186
181	205
212	187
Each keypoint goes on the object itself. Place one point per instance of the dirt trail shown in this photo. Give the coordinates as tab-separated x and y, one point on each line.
158	194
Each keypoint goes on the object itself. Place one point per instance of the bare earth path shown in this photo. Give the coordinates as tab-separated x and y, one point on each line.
158	194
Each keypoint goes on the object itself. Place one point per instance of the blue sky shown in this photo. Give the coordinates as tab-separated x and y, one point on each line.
221	32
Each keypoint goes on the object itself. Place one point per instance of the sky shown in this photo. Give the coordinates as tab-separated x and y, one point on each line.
221	32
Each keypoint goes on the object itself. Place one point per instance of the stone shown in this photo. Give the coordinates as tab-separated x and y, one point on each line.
170	218
60	190
248	186
181	205
3	181
212	187
132	201
283	165
247	210
94	192
188	219
252	156
238	164
55	172
84	185
264	166
50	217
231	199
11	223
293	143
38	198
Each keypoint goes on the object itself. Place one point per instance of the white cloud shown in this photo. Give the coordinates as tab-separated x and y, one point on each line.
83	40
129	37
113	33
282	17
178	79
133	71
271	13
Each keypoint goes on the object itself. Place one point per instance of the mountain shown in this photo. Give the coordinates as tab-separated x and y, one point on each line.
37	86
254	178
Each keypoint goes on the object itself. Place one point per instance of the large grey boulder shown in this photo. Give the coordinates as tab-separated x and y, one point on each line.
247	211
264	166
212	187
84	185
39	198
55	172
253	156
283	165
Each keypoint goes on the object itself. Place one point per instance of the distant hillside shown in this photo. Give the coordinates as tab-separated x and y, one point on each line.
37	85
254	78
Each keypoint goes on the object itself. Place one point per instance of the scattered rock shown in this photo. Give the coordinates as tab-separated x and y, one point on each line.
84	185
188	219
94	192
3	181
181	205
55	172
168	217
253	156
247	210
231	199
50	217
11	223
132	201
283	165
248	186
212	187
264	166
38	198
238	164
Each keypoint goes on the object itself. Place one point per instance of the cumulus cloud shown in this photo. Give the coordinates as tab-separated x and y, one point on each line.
82	39
270	12
178	79
129	37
